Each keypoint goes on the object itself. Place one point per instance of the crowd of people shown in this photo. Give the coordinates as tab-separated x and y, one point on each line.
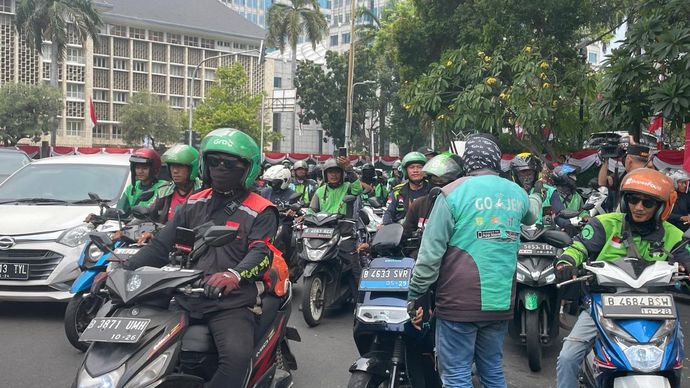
468	249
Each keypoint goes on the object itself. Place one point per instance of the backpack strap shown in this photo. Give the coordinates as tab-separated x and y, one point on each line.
628	241
255	204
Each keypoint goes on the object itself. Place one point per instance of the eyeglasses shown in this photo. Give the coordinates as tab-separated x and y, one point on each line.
646	202
215	161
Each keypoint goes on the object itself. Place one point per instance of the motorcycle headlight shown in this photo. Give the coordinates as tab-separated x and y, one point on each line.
614	330
548	276
644	358
521	273
75	236
150	373
93	253
108	380
382	314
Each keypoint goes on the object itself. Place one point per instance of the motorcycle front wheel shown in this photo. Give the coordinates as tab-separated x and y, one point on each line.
313	300
360	379
80	311
533	334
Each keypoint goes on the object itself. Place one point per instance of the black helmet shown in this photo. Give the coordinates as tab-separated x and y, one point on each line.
368	173
331	164
564	175
523	162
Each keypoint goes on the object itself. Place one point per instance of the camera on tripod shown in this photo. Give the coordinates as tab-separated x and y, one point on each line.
612	149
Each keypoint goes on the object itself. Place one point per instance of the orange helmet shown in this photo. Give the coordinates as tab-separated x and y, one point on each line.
654	184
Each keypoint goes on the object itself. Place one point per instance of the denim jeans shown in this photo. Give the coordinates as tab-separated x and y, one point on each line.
575	347
459	344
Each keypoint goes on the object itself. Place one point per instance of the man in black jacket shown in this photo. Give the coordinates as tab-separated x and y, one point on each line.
680	216
231	164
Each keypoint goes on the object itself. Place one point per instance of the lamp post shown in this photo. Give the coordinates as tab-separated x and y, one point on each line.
348	113
196	70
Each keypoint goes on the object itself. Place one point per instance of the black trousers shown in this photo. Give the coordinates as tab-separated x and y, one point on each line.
233	333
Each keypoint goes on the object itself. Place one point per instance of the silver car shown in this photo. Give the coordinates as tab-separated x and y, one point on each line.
42	229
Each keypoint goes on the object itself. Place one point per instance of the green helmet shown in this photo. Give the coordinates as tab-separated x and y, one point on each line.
185	155
444	167
412	158
236	143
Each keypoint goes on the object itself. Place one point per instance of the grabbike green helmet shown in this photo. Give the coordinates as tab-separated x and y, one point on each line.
412	158
236	143
444	167
185	155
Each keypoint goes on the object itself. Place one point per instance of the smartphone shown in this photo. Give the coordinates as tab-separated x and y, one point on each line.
424	302
342	152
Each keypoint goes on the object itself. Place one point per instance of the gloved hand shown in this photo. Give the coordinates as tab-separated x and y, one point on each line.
564	272
220	284
99	282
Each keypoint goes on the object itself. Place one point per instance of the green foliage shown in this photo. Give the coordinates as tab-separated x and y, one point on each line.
146	115
286	22
649	73
27	111
228	104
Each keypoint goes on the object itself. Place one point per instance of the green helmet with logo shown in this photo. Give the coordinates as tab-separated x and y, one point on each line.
185	155
412	158
236	143
444	167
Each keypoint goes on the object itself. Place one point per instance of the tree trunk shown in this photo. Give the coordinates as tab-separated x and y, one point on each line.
54	82
293	73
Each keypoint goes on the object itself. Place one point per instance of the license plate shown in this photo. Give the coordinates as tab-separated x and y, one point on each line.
113	329
645	306
14	271
325	233
536	249
385	279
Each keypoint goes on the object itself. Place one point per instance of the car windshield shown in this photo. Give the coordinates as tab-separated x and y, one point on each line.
65	182
11	162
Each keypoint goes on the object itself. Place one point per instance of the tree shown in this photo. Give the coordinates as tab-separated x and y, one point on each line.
229	104
27	111
49	20
286	23
147	116
649	73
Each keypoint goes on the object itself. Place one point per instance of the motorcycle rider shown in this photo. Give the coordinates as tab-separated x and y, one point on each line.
636	156
230	160
680	216
402	195
525	169
640	230
144	165
339	180
300	182
278	187
396	176
371	187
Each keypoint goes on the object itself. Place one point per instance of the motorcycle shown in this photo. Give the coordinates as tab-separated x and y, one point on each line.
537	305
638	341
327	275
286	238
393	353
139	340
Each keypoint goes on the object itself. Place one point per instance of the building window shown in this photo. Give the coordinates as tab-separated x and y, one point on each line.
118	30
137	33
277	82
158	68
117	132
177	102
74	55
334	40
156	36
177	71
74	128
120	64
100	95
98	132
191	41
6	6
210	75
75	91
592	58
120	96
101	62
346	38
208	43
174	38
139	66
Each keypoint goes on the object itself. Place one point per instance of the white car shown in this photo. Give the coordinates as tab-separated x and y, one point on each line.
42	231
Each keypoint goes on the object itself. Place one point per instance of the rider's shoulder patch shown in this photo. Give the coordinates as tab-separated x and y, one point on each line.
587	232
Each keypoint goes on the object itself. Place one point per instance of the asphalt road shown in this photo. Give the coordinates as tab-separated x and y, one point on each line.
35	353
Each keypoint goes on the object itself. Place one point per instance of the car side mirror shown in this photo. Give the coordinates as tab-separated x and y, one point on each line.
364	216
217	236
102	240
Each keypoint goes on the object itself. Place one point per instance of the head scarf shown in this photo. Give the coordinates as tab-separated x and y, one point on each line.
482	152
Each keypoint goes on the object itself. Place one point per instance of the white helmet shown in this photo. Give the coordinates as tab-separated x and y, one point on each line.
278	174
677	176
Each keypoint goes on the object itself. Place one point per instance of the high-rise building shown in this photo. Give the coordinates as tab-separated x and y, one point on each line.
256	11
154	45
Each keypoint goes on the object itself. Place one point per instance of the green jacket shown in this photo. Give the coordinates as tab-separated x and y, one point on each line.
330	200
130	197
469	247
306	187
602	239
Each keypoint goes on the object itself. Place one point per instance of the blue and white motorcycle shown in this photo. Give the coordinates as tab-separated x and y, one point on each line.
638	343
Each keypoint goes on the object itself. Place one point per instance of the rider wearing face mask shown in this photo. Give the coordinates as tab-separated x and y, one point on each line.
278	187
230	160
525	169
300	182
402	195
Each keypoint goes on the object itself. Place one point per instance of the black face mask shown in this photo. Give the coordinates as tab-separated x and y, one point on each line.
226	181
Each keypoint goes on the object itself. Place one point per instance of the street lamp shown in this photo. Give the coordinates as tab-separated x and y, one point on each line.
348	113
196	70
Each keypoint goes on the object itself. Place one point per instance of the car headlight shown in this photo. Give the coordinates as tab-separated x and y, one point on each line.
644	358
153	371
382	314
75	236
108	380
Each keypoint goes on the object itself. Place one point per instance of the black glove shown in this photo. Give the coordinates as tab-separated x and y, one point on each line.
220	284
564	272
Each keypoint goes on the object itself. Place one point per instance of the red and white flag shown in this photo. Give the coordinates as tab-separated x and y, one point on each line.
92	113
656	125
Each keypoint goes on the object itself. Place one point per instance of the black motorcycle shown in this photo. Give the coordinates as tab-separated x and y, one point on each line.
140	339
286	238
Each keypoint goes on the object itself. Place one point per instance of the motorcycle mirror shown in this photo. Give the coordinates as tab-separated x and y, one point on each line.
113	213
102	241
349	198
557	238
295	196
364	216
296	206
140	212
94	196
217	236
568	213
374	202
588	206
146	195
